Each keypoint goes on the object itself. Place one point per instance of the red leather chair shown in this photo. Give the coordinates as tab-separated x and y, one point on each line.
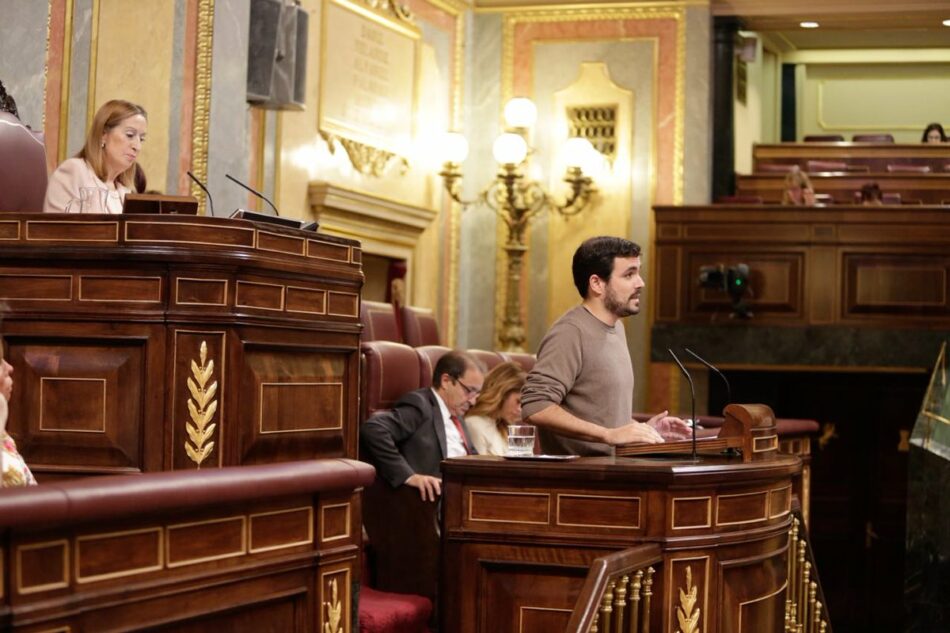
22	166
429	355
826	165
892	197
389	371
873	138
823	138
379	322
908	169
526	361
419	327
489	359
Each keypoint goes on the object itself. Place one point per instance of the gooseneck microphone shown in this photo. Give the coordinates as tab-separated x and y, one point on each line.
692	397
715	369
205	189
255	192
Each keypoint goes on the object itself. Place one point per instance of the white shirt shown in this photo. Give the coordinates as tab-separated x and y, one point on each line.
454	445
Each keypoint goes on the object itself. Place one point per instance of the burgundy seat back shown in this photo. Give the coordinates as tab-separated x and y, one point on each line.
525	360
489	359
826	165
379	322
873	138
22	166
389	371
891	197
420	327
823	138
774	168
429	355
908	169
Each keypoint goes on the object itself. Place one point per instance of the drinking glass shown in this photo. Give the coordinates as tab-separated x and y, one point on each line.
520	440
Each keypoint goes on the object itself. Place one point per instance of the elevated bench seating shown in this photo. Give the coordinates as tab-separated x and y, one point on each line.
247	548
875	156
914	188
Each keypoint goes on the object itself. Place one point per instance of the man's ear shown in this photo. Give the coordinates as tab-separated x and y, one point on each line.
596	285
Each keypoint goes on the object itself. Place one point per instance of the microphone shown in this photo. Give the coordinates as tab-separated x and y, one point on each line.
205	189
715	369
692	396
255	192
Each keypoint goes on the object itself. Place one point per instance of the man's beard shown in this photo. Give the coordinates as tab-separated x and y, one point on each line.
617	307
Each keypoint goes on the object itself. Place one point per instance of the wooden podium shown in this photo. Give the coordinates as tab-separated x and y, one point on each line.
160	342
519	536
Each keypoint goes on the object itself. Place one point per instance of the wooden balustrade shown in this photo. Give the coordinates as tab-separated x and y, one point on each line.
876	156
805	605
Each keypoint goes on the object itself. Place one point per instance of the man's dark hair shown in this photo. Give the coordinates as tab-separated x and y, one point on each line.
454	363
596	257
7	104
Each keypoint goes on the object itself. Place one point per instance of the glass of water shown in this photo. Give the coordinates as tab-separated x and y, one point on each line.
520	440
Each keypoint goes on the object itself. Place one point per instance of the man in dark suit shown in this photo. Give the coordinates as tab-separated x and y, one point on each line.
408	443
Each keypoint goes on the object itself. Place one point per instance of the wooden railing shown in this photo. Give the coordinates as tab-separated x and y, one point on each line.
616	596
805	607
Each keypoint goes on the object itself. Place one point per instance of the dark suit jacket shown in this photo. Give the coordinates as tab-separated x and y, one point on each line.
408	439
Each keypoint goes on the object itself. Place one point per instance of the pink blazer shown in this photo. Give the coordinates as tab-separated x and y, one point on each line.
69	177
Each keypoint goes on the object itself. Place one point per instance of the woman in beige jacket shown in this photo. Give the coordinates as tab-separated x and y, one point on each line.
106	162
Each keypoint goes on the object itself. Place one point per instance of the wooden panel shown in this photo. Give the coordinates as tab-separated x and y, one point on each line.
204	541
675	584
52	231
780	502
886	284
118	554
343	304
280	243
295	407
523	598
335	521
42	567
669	282
14	286
306	300
73	404
324	250
875	156
821	284
201	292
9	230
259	295
921	188
124	288
754	603
598	511
191	233
509	507
210	375
739	509
280	529
691	512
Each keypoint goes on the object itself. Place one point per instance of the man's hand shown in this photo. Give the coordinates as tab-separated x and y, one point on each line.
670	427
633	433
6	381
429	487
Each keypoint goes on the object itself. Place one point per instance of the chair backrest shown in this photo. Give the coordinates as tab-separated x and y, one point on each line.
908	169
379	322
823	138
23	175
873	138
526	361
775	168
489	359
892	197
420	327
389	371
824	198
826	165
429	355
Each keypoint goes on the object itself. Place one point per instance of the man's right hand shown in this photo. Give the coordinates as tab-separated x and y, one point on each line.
429	487
633	433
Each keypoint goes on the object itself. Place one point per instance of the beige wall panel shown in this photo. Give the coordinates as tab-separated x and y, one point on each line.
133	61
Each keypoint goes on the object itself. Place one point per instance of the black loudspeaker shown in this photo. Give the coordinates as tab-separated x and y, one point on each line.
277	55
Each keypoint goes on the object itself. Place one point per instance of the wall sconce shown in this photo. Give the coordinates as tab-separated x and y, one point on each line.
516	199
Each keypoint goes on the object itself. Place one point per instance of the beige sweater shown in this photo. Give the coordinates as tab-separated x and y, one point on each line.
72	175
583	366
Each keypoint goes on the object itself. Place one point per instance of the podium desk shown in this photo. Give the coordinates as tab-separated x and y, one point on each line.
519	536
160	342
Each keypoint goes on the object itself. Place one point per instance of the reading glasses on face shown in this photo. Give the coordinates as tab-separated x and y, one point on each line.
470	391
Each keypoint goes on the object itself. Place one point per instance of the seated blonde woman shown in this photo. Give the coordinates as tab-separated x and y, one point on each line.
498	405
106	165
13	470
797	189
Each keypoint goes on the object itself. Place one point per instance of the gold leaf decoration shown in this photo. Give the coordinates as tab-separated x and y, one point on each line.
201	407
688	618
334	611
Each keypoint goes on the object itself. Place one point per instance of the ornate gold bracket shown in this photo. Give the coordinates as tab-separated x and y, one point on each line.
334	611
366	159
400	11
201	406
687	617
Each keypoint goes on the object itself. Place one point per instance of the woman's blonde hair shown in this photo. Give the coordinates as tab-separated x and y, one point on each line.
500	382
111	114
795	179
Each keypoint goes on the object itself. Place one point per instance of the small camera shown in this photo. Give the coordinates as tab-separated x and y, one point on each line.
733	280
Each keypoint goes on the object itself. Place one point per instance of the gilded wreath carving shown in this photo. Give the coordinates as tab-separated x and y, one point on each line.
686	616
201	407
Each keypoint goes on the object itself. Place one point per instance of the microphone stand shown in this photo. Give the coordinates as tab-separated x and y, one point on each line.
692	397
710	366
256	193
205	189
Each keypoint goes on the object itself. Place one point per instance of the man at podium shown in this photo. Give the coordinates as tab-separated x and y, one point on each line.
580	392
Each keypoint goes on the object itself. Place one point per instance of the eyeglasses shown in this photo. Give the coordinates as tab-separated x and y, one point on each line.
471	392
